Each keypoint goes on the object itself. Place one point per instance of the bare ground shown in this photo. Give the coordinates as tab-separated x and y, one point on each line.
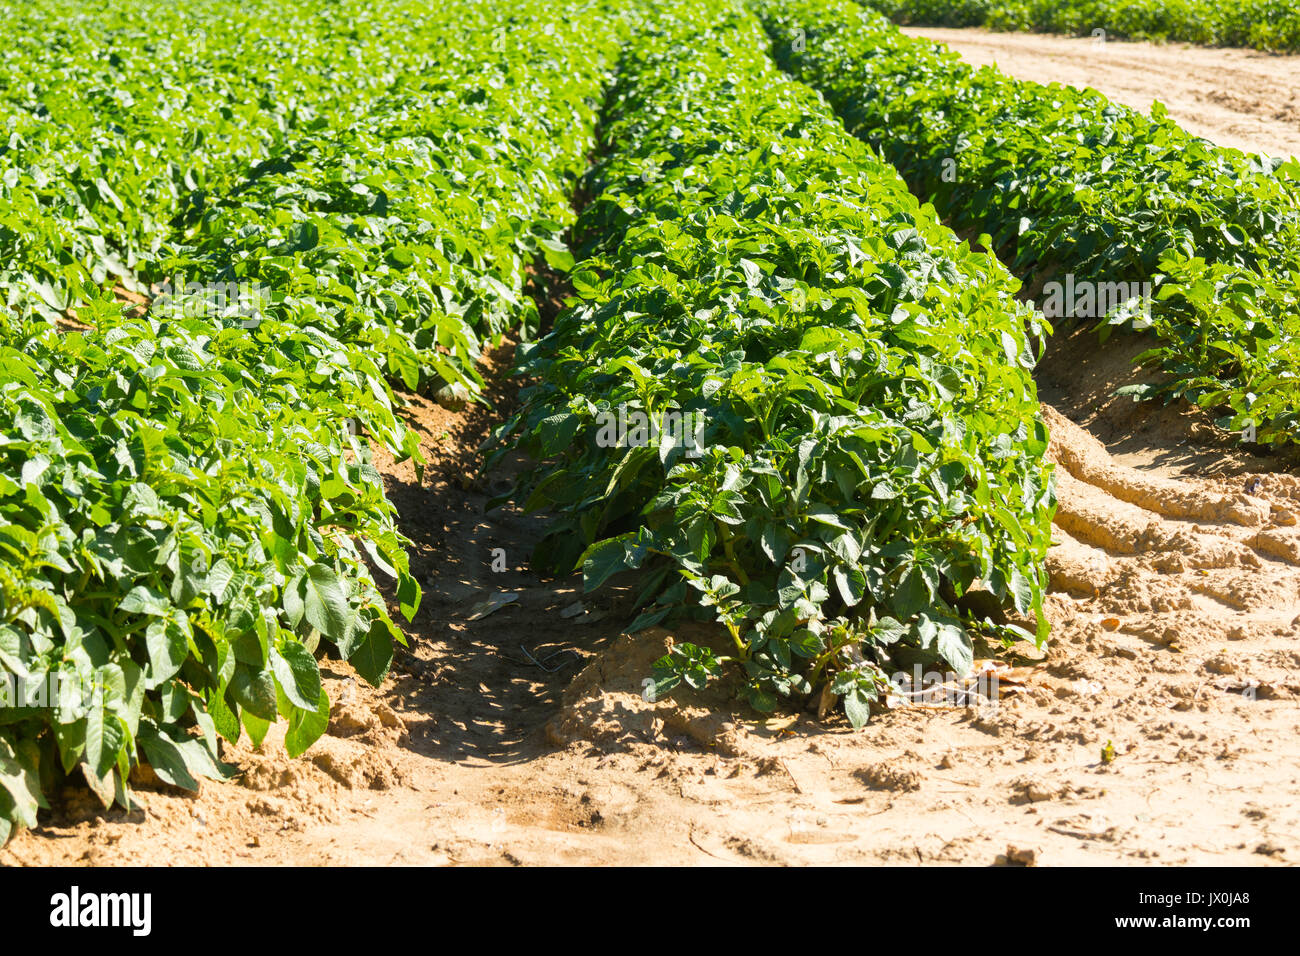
1239	98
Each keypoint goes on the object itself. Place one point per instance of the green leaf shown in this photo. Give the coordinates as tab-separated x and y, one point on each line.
557	254
168	649
105	736
408	595
555	433
325	603
143	600
20	781
604	559
257	728
851	583
954	646
297	674
888	631
225	720
166	758
1022	591
912	596
307	726
254	691
857	707
374	655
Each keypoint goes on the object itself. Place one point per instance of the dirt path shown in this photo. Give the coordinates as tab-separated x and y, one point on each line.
1237	98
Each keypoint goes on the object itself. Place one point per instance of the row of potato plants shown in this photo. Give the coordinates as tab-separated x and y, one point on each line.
866	448
184	516
1065	183
187	503
412	230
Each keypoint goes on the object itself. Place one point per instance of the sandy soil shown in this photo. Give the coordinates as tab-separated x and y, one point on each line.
1239	98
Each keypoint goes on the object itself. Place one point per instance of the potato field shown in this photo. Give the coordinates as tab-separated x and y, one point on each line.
491	432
